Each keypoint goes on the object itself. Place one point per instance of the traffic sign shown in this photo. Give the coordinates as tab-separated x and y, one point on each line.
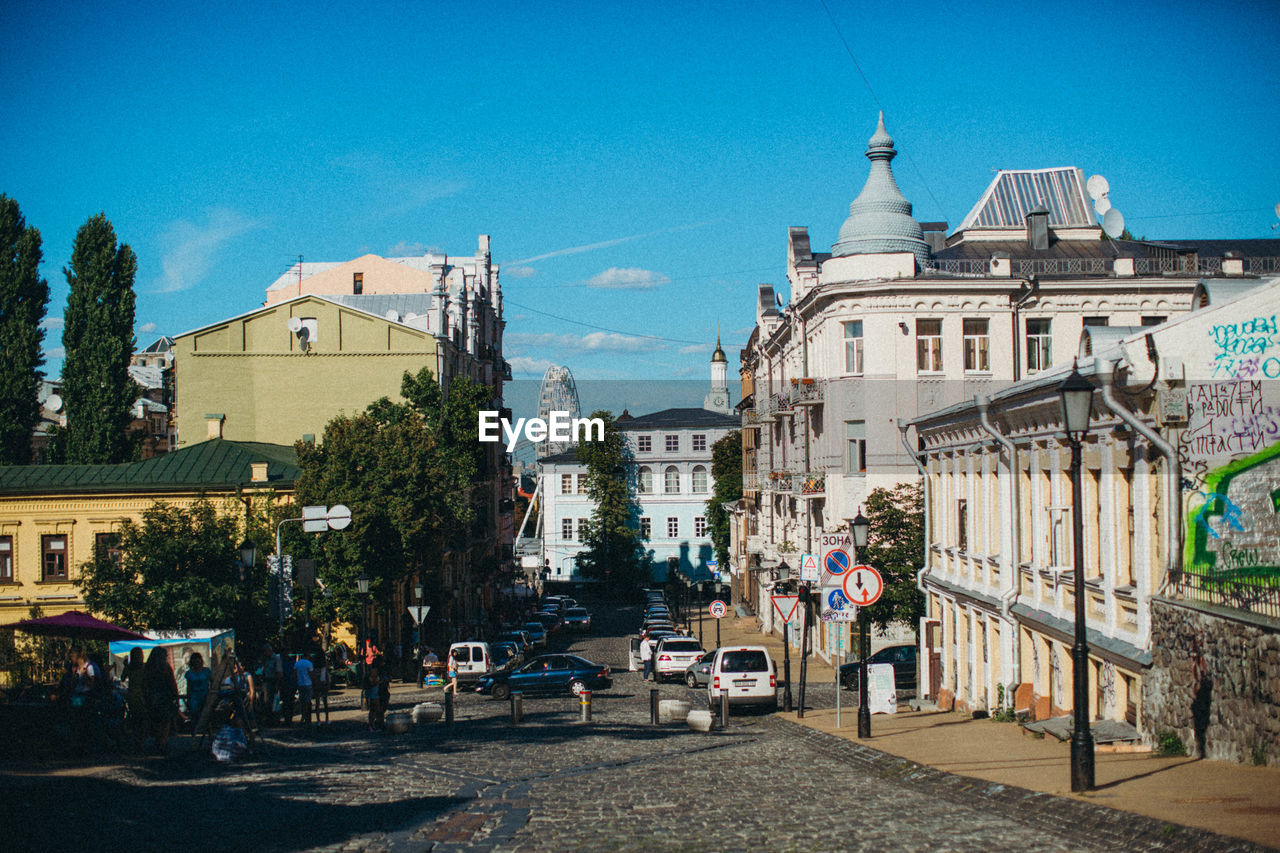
418	613
809	567
835	599
840	539
786	606
717	609
863	585
836	561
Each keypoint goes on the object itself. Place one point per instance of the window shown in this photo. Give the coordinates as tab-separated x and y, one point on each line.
55	557
699	443
853	347
644	443
673	527
312	327
646	527
566	484
1039	344
699	480
582	529
1094	321
962	524
582	484
671	480
855	438
673	443
699	526
977	345
107	546
6	559
645	481
1153	319
357	283
929	346
566	529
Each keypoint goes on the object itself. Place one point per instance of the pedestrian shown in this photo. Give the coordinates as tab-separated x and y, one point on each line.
135	697
320	679
384	693
271	670
452	672
373	681
162	696
288	689
197	686
302	671
646	658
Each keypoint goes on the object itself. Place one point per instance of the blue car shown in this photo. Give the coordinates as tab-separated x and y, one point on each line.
548	674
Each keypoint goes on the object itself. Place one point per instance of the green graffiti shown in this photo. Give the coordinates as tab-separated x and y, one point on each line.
1227	563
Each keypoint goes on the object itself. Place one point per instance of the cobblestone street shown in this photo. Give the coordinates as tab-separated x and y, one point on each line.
553	783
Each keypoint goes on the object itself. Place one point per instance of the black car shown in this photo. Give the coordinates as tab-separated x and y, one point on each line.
904	660
577	619
548	674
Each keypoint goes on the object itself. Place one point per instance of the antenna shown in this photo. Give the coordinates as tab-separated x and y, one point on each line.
1112	220
1097	187
1113	223
295	324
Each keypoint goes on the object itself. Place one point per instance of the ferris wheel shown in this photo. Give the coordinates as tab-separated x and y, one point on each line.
558	393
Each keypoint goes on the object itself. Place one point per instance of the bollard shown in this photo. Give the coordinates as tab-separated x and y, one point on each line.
448	707
584	700
653	706
724	709
517	707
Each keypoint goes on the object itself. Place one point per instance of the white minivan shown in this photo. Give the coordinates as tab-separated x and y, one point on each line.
473	659
747	674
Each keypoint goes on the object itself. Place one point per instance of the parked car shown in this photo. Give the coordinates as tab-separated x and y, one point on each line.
698	673
474	659
537	633
551	621
673	655
520	637
505	655
548	674
746	674
905	663
577	619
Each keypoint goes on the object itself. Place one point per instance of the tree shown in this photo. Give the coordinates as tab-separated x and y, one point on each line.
895	548
177	569
613	553
24	297
726	473
98	337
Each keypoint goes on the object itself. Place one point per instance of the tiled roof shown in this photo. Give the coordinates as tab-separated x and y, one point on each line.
674	418
214	464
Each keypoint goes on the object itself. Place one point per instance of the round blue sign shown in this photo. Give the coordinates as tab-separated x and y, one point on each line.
836	562
837	600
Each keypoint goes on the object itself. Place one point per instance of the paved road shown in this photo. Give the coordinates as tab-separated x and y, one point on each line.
554	784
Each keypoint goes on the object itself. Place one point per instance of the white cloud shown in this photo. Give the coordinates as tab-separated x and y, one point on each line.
189	248
521	364
628	278
518	272
56	352
613	342
693	349
52	322
605	244
591	342
147	328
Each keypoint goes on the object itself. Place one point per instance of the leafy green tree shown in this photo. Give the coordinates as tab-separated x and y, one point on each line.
726	472
177	569
98	337
614	553
24	297
895	548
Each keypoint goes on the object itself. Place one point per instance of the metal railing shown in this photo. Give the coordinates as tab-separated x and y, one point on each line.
811	484
807	392
1251	593
780	405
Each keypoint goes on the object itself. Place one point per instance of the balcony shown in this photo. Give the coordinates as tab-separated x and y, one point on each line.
808	391
811	484
779	481
780	406
750	420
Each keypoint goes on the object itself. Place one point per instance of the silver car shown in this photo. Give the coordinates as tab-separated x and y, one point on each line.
698	673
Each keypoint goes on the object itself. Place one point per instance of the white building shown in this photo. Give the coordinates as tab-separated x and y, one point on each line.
670	480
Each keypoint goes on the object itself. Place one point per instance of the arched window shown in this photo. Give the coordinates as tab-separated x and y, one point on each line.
699	479
645	484
671	481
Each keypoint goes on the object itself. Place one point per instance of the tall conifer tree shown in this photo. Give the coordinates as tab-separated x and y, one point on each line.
24	298
98	337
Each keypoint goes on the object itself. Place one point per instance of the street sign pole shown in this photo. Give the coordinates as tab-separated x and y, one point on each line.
786	666
804	651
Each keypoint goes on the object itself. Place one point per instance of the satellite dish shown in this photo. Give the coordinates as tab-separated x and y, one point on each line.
410	316
294	324
53	403
393	316
1113	223
1097	187
1102	205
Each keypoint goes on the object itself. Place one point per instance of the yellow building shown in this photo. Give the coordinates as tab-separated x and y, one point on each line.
53	517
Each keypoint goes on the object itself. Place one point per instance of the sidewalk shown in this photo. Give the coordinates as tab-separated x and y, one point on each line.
1231	799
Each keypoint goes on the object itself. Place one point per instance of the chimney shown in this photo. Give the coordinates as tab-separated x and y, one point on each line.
258	472
213	425
1038	227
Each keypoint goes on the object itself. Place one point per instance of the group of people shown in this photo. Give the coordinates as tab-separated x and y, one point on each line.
295	682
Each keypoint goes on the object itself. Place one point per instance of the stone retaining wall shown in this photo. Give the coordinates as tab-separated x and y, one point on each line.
1214	682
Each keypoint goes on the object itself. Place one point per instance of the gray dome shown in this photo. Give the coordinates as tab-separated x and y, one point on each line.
880	217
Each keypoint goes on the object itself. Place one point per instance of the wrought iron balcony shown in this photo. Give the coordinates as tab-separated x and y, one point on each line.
780	406
808	391
750	419
780	481
811	484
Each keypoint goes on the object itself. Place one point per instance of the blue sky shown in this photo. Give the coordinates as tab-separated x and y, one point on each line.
637	164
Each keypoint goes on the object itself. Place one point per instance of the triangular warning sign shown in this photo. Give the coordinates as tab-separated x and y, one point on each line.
786	606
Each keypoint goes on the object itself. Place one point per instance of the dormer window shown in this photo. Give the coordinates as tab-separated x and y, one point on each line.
357	283
1038	228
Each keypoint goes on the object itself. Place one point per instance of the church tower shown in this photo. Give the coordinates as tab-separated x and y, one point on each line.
718	398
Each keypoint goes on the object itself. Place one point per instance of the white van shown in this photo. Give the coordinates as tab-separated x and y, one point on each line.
473	658
747	674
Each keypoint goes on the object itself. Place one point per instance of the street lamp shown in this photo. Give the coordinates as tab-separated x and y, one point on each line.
1076	396
783	574
860	530
362	585
248	557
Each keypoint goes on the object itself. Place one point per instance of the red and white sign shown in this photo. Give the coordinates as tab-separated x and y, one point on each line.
718	609
786	606
863	585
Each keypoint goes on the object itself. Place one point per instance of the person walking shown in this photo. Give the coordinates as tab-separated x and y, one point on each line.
452	673
646	658
302	671
320	678
198	676
288	689
271	670
135	697
162	696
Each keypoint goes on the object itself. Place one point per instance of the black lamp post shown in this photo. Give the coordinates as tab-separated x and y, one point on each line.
784	573
248	557
1076	395
702	598
860	529
362	585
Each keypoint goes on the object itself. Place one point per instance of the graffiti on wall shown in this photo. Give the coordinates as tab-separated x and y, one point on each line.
1233	523
1248	349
